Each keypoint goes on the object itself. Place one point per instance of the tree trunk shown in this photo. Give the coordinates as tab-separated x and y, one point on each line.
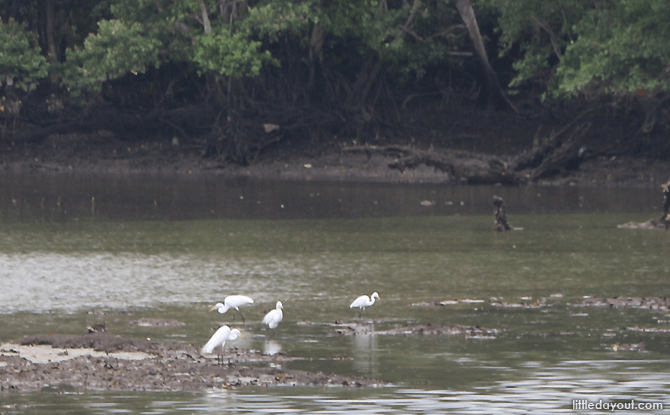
492	93
11	10
364	80
315	82
205	17
52	54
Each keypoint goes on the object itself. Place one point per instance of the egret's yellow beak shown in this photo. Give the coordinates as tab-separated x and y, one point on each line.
242	336
212	309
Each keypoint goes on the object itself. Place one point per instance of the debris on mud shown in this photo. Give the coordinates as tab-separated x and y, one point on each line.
627	347
447	302
649	329
419	330
156	322
102	361
527	302
443	330
650	224
495	302
651	303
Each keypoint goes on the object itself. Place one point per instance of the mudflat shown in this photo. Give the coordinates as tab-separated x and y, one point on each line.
102	361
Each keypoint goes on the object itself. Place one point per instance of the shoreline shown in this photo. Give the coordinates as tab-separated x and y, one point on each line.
614	172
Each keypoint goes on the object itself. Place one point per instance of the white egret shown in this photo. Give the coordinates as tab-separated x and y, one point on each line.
364	301
222	335
232	301
274	317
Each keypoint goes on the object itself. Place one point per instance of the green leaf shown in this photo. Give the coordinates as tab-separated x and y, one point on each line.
21	64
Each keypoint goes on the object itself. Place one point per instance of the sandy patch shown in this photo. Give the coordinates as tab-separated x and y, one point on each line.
47	354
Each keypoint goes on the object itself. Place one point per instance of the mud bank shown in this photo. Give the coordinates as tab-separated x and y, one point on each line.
101	361
410	164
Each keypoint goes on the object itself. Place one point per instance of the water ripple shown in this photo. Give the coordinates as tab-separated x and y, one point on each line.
42	282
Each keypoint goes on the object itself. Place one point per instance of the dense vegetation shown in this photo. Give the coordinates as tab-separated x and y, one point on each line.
225	74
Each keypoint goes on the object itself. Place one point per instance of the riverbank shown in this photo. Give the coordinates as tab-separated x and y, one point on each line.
431	143
343	164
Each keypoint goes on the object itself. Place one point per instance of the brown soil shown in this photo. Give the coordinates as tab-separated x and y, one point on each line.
424	147
331	164
142	365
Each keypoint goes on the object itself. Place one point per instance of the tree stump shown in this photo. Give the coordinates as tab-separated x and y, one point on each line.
665	219
500	223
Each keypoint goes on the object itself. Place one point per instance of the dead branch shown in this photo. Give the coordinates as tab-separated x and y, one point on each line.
458	166
534	157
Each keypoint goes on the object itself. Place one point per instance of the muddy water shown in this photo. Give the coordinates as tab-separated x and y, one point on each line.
75	251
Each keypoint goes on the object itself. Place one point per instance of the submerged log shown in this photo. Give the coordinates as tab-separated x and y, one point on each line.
665	219
500	223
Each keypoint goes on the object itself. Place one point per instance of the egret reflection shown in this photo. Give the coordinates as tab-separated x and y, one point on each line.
271	347
365	353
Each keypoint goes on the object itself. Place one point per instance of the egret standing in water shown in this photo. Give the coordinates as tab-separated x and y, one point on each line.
274	317
364	301
222	335
232	301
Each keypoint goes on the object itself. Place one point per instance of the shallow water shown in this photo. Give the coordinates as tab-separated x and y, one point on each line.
79	250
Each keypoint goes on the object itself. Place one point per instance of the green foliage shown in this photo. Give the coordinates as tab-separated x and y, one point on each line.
574	46
609	46
21	64
276	18
153	32
542	29
230	54
406	37
134	35
623	47
117	49
435	30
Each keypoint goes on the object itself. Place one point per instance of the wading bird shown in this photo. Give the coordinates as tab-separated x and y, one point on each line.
274	317
364	301
222	335
232	301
